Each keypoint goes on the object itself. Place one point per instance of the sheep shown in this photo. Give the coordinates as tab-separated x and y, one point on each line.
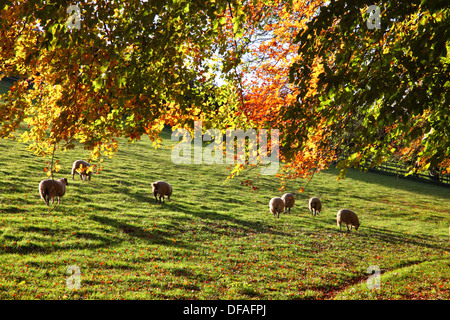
289	201
83	166
51	189
348	217
276	206
163	189
315	206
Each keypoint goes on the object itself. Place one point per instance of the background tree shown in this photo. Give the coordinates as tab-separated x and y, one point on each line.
382	92
312	69
267	51
130	67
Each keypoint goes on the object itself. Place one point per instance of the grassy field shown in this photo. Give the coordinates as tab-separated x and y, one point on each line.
215	239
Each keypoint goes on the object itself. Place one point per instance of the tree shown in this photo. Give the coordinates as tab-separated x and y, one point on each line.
381	92
99	70
267	50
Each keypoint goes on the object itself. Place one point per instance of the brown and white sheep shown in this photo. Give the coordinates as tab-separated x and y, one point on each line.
348	217
51	189
289	201
162	189
276	206
81	167
315	206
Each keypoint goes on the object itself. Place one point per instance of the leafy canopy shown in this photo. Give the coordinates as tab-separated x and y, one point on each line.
130	67
380	93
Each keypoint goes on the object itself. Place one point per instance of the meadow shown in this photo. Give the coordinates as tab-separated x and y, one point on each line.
215	238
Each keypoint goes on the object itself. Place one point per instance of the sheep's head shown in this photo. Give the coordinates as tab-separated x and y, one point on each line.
154	188
356	225
64	180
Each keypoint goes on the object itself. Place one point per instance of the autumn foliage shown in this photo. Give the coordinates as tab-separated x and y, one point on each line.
316	71
335	90
267	89
131	68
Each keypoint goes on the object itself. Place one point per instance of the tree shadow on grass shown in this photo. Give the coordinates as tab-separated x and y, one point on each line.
89	240
216	221
142	197
392	181
154	236
382	234
396	237
45	240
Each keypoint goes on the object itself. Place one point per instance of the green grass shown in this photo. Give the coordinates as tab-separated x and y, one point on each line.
215	239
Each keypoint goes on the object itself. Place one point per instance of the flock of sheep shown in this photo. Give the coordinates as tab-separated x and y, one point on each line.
286	202
50	189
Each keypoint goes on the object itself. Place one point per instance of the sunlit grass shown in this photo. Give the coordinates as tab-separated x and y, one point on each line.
216	238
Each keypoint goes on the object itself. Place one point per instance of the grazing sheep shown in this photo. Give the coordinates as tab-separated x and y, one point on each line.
163	189
348	217
83	165
276	206
315	206
289	201
51	189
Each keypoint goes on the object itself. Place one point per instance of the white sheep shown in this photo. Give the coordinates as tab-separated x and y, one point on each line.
51	189
163	189
289	201
348	217
276	206
81	167
315	206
